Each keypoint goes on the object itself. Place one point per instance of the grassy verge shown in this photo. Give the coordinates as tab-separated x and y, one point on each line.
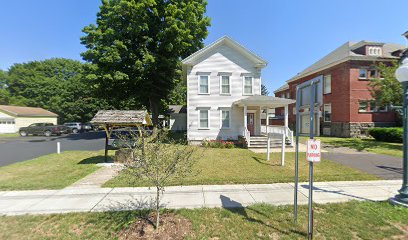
8	135
50	171
352	220
234	166
369	145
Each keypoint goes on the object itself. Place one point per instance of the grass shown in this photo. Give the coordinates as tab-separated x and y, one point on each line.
237	166
8	135
351	220
369	145
54	171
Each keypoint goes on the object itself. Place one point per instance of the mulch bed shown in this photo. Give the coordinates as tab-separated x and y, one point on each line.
172	226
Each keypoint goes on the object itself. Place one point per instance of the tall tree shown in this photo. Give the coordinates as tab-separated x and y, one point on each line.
387	90
4	94
264	90
55	84
136	47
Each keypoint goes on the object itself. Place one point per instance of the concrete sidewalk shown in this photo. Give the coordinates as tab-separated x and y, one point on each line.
115	199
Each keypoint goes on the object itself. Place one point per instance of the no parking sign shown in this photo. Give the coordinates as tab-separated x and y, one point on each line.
313	150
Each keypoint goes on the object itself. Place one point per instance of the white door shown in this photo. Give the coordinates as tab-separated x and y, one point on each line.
305	123
7	126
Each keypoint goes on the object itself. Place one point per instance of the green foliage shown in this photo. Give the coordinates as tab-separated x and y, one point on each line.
57	85
393	135
387	90
136	47
217	144
264	90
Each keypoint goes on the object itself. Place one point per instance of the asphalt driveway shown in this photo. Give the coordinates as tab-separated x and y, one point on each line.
19	149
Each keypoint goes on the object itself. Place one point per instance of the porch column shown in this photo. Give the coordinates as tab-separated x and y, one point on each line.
267	120
259	120
245	117
286	116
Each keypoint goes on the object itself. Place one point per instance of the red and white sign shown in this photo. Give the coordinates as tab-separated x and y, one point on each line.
313	150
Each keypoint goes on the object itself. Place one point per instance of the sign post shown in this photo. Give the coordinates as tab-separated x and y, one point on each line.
308	94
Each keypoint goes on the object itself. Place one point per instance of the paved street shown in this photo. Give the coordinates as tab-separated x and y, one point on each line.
383	166
19	149
228	196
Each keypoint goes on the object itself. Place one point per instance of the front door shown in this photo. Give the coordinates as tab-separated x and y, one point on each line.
251	123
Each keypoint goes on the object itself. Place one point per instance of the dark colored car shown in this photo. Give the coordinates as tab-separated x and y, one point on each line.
46	129
89	127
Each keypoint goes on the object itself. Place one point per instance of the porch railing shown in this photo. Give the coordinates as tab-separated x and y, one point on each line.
278	130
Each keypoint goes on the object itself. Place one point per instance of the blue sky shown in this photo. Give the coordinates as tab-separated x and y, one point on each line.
290	34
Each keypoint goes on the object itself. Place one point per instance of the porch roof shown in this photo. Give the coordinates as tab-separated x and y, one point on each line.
264	101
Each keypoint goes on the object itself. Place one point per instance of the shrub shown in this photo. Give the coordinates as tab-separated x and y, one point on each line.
218	144
393	135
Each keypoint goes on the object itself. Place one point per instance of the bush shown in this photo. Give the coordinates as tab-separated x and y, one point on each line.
218	144
393	135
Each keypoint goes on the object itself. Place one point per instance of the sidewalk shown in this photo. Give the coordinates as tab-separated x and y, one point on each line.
115	199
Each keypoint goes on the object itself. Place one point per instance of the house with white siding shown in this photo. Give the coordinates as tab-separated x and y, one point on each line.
224	94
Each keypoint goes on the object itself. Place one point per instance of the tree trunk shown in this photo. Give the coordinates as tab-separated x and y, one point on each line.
157	208
154	108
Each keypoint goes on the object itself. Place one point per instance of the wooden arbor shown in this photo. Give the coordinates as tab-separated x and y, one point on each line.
111	119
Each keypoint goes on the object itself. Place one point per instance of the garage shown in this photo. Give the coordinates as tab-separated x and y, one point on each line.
12	118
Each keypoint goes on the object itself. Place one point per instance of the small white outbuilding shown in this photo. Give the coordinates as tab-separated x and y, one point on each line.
12	118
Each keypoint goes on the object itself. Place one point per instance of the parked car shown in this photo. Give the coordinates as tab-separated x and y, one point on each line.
46	129
76	127
89	127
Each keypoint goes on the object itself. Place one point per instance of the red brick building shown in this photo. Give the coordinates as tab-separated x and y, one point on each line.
348	109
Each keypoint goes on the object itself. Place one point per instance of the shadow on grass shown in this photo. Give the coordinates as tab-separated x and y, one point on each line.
237	208
362	144
95	160
263	161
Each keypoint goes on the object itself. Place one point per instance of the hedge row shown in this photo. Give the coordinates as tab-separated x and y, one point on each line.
393	135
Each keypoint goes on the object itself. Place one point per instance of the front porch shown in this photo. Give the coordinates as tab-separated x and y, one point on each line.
253	108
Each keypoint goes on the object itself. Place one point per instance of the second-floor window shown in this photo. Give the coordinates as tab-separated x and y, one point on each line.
362	73
248	85
327	84
204	85
225	84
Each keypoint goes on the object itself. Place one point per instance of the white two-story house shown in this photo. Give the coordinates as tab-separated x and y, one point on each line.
224	93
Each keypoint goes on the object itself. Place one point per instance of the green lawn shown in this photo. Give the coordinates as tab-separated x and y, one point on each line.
234	166
8	135
351	220
369	145
52	171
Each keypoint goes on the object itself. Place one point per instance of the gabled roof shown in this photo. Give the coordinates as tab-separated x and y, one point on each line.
346	52
283	87
18	111
116	117
177	109
191	60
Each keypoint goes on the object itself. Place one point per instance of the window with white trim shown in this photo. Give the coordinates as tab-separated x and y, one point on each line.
363	106
225	118
248	85
327	112
327	84
225	84
203	119
373	73
362	73
204	85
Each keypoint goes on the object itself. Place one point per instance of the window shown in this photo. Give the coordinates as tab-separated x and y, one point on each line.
363	73
327	84
203	121
373	106
327	112
373	73
288	95
374	51
282	95
203	85
363	106
225	119
247	85
225	85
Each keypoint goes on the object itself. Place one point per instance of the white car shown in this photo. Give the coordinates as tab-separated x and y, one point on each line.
76	127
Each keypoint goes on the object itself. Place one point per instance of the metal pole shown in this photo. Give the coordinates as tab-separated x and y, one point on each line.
310	207
283	149
269	148
295	210
106	143
58	147
403	192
